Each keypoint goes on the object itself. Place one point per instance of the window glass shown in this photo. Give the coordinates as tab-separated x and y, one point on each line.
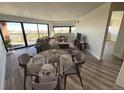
65	29
57	29
43	30
12	31
72	29
31	33
61	29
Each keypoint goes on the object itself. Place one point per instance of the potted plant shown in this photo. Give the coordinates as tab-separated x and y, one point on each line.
7	43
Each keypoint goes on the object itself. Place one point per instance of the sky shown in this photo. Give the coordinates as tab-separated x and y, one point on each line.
17	26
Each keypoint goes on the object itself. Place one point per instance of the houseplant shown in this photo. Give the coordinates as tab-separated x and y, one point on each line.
7	43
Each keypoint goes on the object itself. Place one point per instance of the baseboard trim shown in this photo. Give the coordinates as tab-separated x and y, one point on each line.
94	56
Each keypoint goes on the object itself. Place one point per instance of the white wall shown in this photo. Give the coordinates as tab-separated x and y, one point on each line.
2	63
119	46
120	79
93	25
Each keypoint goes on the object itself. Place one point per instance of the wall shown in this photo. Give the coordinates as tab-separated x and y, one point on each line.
93	26
119	46
120	79
2	63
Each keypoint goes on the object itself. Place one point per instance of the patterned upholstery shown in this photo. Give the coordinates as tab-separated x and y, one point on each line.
23	60
33	69
46	83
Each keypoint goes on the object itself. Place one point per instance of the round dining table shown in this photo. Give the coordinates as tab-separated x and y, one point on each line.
45	60
51	62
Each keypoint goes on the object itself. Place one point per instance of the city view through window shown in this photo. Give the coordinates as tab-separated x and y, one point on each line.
14	32
64	29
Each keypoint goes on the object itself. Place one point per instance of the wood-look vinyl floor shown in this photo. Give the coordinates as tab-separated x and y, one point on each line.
96	75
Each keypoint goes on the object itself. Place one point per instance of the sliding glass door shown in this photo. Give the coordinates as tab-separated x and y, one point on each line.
13	32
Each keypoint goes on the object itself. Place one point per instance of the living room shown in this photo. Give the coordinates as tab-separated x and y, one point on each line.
62	38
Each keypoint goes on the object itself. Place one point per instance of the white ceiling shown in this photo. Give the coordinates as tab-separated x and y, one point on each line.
66	11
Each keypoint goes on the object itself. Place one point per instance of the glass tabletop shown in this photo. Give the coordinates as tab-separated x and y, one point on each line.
57	58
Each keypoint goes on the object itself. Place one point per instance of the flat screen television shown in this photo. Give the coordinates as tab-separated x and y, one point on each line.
79	36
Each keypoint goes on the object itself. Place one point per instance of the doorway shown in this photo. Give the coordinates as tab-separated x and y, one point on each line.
112	33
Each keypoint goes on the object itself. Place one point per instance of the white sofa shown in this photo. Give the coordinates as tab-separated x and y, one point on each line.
70	36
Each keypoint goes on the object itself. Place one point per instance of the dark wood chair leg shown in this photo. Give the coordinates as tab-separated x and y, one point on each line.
80	80
65	77
24	82
24	79
78	74
58	84
37	79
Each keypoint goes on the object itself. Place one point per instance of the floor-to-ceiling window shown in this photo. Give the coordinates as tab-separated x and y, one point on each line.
23	34
13	32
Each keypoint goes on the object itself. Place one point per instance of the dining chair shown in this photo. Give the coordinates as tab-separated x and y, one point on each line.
46	83
29	69
54	60
23	60
72	69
